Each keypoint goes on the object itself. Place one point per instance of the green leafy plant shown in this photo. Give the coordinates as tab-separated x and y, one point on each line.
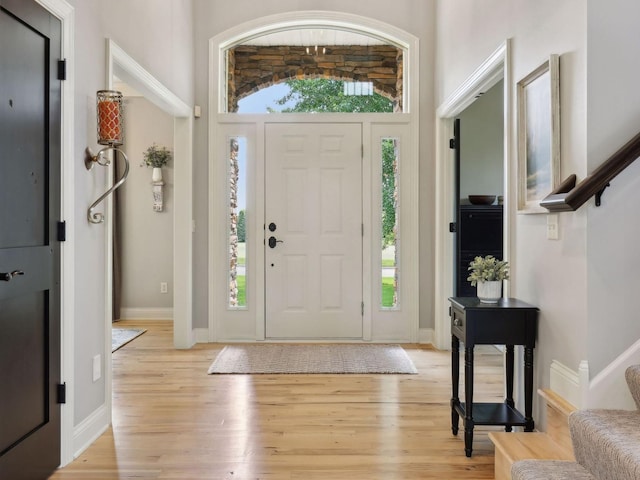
155	156
487	269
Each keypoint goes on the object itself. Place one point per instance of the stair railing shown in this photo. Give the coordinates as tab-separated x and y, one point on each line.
568	196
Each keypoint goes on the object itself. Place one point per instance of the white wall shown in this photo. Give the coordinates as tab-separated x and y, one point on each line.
482	145
147	236
417	18
614	228
161	40
548	273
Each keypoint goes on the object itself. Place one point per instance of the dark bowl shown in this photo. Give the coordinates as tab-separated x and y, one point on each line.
482	199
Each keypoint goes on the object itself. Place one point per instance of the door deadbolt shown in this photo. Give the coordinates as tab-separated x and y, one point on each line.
272	227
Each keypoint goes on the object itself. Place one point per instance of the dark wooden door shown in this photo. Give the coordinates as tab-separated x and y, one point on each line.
455	145
30	41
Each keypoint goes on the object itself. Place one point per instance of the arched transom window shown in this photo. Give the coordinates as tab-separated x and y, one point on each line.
364	64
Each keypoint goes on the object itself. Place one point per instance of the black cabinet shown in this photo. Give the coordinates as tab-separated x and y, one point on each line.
479	233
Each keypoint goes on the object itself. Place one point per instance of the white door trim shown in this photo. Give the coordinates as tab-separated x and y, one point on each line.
66	14
127	69
247	324
495	68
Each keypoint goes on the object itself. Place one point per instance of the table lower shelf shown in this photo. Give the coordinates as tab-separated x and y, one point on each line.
492	414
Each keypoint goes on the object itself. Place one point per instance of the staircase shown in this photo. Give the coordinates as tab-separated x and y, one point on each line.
606	444
554	444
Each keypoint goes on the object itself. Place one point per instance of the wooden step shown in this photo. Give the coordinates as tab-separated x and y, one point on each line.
555	444
558	411
513	446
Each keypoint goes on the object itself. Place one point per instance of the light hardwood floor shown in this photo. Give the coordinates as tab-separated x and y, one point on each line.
173	421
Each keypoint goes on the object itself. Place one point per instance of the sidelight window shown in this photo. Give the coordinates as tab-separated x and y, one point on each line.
389	223
236	227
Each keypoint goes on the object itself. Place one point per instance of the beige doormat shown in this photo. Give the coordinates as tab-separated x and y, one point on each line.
313	358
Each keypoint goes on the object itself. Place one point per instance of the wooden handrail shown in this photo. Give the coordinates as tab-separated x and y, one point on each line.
568	196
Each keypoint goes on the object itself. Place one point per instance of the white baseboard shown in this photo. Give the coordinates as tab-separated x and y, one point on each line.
426	335
90	429
608	389
201	335
146	313
566	383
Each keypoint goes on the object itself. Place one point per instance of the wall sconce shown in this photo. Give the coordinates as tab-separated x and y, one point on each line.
110	132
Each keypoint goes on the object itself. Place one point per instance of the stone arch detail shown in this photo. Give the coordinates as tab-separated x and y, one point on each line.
252	67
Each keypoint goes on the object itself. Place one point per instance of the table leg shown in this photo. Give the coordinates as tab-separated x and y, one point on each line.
455	380
528	389
468	397
509	365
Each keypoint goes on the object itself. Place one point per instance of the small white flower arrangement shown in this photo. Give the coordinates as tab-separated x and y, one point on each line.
487	269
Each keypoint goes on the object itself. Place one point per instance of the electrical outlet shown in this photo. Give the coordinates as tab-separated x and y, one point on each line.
552	226
164	288
97	368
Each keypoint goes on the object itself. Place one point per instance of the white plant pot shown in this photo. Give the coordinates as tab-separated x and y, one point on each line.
490	292
156	174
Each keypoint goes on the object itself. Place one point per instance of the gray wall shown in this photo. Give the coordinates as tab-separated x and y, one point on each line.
482	145
613	229
160	39
147	236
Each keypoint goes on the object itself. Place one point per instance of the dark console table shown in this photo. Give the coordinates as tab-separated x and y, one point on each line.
509	322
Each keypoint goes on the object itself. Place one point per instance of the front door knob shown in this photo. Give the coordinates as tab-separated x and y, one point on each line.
273	241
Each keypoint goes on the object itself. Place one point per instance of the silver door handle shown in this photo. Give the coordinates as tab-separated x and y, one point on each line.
7	276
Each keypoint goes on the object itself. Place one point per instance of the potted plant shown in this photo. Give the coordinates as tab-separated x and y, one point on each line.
156	157
488	273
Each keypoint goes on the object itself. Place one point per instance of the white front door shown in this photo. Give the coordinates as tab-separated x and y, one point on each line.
313	231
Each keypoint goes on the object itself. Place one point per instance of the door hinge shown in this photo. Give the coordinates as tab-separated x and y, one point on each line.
62	69
62	231
362	150
453	227
362	309
452	143
62	393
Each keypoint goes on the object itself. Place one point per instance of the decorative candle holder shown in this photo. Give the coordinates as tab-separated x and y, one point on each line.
110	119
109	125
